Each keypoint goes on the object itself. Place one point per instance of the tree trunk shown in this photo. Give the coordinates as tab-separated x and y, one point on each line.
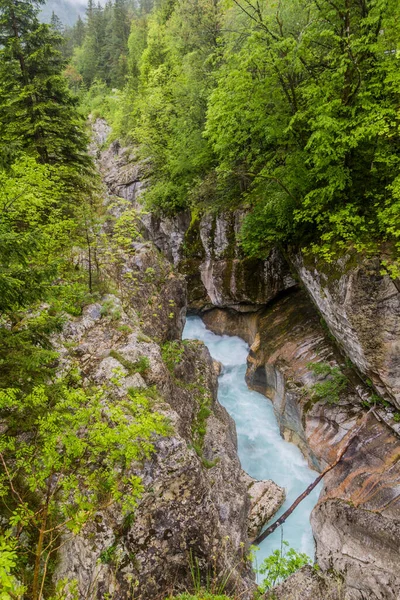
38	558
310	488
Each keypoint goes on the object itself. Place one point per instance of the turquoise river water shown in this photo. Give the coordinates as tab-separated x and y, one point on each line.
264	454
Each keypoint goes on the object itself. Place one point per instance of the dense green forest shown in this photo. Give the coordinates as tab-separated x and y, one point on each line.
287	109
53	430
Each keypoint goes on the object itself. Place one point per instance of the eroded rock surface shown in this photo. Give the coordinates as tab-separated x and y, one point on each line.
266	499
362	309
205	248
207	252
153	289
356	521
308	584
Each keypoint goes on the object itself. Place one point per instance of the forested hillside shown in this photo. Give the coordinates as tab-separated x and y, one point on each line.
288	109
53	429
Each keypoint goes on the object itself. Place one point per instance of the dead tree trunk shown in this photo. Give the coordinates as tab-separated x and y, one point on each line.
310	488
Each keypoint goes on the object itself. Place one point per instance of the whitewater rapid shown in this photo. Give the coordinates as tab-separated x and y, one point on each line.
264	454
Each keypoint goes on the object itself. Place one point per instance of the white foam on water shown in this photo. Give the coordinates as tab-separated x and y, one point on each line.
264	454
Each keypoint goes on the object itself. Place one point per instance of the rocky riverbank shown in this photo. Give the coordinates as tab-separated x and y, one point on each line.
198	507
356	521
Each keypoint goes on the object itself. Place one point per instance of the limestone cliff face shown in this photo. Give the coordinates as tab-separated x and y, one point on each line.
204	248
206	251
211	250
356	521
362	309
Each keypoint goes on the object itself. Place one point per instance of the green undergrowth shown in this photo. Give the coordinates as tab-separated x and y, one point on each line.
172	354
282	563
141	365
199	425
277	567
333	384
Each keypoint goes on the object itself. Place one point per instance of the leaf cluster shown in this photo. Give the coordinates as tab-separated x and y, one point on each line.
333	384
280	565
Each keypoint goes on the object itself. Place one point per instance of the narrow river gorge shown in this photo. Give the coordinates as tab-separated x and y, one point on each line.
263	453
301	320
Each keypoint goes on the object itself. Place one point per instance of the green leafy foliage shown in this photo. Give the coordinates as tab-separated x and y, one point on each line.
10	589
333	384
172	353
41	229
314	138
288	110
66	454
199	425
280	565
65	451
141	365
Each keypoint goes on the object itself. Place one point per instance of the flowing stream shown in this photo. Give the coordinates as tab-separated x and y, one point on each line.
264	454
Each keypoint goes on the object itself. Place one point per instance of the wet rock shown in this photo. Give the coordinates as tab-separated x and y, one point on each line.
219	275
362	310
207	252
356	521
266	499
308	584
220	321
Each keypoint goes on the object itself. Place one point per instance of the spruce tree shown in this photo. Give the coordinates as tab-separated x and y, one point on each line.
78	32
56	23
91	63
37	113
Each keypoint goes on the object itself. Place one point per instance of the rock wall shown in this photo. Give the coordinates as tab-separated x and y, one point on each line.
362	310
356	522
195	506
216	271
205	248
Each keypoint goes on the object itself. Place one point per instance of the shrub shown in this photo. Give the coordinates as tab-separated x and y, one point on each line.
280	565
334	383
172	353
141	365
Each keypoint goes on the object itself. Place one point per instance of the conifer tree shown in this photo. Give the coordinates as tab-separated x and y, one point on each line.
55	23
37	113
78	32
90	58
